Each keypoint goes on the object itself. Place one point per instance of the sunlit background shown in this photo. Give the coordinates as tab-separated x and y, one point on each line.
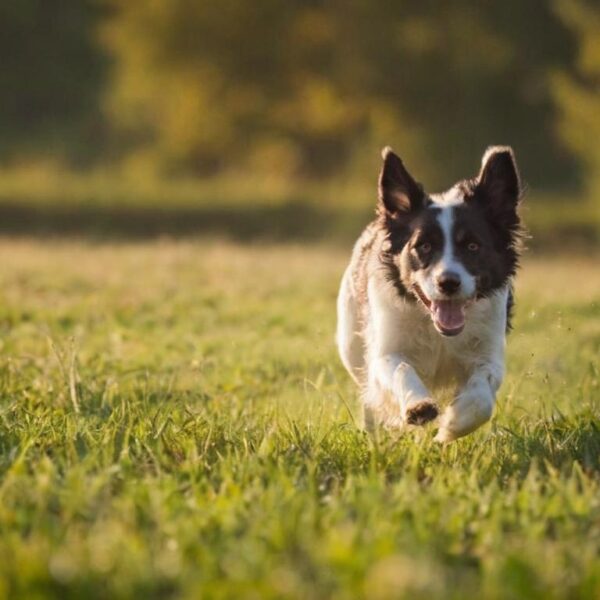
181	182
267	118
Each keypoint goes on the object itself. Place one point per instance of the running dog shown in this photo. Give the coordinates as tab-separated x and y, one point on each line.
425	303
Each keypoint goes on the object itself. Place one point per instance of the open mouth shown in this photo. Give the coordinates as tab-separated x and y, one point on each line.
448	316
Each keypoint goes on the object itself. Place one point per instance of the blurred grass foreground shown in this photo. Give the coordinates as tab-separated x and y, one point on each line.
175	423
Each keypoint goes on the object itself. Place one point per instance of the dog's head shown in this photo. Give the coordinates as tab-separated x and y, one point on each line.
449	250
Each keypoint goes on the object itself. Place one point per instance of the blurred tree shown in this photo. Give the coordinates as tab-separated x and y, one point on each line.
299	88
50	76
578	92
311	87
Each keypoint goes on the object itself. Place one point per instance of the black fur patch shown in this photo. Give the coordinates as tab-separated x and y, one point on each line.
510	304
405	237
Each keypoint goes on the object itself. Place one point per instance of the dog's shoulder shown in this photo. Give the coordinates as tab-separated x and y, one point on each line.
364	259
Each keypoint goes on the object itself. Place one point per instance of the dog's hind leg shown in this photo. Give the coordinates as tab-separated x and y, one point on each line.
349	342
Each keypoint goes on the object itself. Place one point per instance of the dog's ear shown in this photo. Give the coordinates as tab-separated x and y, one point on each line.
498	182
398	192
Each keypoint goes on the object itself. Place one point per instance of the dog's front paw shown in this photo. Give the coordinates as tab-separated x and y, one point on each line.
463	416
421	412
445	435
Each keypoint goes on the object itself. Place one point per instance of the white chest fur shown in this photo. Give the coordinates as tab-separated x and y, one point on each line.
403	328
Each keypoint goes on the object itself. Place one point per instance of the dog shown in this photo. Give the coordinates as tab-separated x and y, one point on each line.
426	301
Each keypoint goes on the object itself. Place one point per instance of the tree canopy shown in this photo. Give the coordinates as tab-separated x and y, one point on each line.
304	88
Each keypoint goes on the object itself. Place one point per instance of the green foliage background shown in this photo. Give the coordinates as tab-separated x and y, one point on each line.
180	185
302	89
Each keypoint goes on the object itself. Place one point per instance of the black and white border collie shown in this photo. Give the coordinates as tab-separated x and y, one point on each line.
426	300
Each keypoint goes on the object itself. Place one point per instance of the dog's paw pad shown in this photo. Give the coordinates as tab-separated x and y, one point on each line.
421	413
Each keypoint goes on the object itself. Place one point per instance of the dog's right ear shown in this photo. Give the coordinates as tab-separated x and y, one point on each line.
398	192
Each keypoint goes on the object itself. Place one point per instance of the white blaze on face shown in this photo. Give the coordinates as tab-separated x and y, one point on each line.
448	313
449	263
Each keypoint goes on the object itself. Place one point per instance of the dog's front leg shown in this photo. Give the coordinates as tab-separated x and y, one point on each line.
395	393
473	405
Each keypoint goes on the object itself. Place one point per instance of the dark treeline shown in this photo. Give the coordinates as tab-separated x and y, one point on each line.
302	88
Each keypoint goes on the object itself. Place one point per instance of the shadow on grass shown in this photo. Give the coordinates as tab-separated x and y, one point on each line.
293	221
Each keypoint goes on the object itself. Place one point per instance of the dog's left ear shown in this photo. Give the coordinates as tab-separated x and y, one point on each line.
498	181
399	193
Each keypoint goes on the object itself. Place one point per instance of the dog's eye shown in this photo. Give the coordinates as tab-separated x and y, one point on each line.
473	246
425	247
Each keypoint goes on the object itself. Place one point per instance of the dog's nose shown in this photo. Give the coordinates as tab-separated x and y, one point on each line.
449	282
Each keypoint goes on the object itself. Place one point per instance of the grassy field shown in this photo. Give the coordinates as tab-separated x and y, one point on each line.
174	421
54	203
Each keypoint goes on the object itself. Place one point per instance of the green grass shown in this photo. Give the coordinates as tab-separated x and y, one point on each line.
174	422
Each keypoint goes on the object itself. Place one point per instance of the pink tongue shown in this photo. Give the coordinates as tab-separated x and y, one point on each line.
448	314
